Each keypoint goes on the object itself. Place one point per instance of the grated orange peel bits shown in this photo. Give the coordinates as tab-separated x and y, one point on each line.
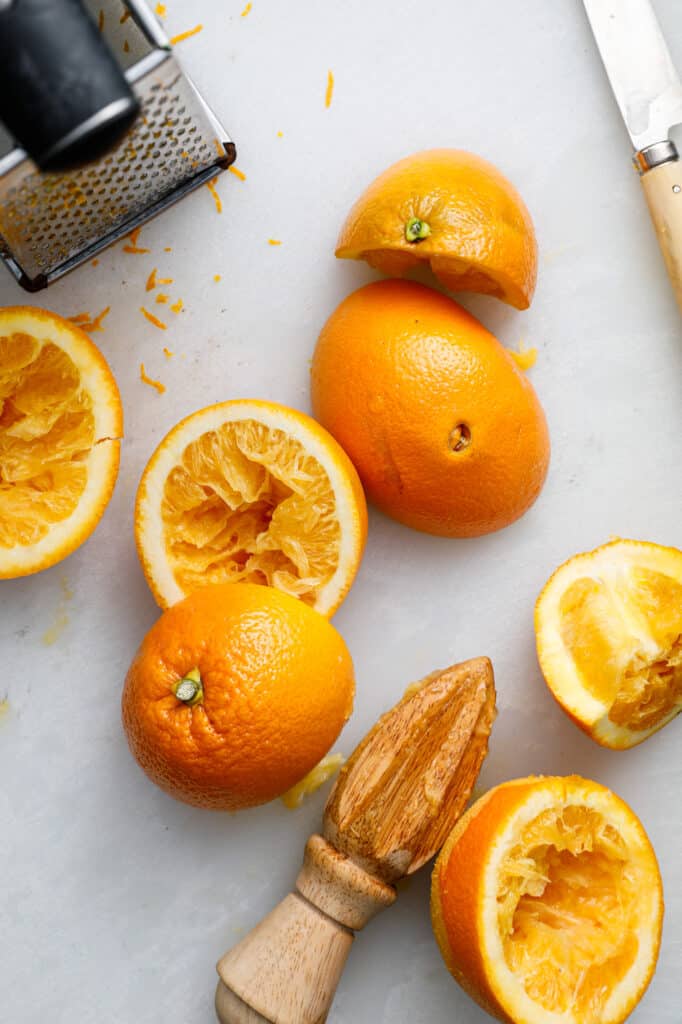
255	492
547	903
608	628
60	427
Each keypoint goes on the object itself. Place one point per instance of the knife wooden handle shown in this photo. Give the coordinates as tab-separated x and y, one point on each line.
287	969
663	190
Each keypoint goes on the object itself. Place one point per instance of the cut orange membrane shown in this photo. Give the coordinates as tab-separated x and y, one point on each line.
60	428
547	903
249	491
609	638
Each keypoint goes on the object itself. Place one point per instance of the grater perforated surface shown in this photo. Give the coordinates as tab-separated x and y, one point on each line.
47	219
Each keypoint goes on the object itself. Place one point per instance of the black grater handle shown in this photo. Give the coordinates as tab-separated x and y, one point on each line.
63	96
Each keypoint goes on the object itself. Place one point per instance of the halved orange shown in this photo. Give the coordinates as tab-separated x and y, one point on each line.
547	903
251	491
453	210
608	628
60	427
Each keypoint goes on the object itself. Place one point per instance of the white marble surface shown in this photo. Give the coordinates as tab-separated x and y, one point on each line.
116	901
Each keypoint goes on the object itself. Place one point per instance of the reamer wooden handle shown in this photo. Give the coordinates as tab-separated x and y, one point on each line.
287	969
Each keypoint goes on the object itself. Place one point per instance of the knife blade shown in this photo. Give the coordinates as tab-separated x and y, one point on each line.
639	66
648	91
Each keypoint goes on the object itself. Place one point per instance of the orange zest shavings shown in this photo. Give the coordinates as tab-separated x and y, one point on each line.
177	306
126	46
124	17
330	89
100	20
210	185
164	280
161	298
217	277
132	246
186	35
153	319
280	135
274	241
168	249
161	10
90	323
167	352
151	281
237	173
149	380
95	263
524	357
246	10
96	323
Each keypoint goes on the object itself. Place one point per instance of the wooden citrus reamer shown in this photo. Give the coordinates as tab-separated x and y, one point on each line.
392	807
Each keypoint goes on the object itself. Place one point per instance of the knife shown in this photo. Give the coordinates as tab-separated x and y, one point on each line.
649	94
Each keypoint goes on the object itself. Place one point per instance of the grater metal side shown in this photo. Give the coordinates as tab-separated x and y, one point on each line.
50	223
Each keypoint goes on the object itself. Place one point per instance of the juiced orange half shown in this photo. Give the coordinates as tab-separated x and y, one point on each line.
609	638
547	903
250	491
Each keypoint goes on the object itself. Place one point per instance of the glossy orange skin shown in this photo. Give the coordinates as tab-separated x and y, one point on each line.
278	687
482	237
396	368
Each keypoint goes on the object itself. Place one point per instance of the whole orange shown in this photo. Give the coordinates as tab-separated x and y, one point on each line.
446	433
235	694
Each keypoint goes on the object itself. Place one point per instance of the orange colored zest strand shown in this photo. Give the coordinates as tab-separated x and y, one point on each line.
186	35
274	241
100	21
280	135
124	17
153	319
330	89
161	298
152	383
168	249
95	263
219	148
151	281
177	306
246	10
167	352
164	280
237	173
133	246
210	185
126	46
90	323
161	10
217	277
96	324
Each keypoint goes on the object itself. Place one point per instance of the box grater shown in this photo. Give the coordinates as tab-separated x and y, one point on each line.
52	222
